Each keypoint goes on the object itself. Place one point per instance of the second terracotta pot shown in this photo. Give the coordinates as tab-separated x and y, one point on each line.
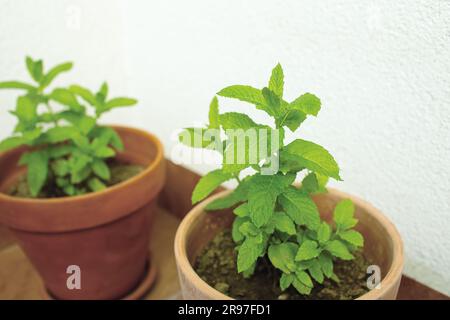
383	245
105	234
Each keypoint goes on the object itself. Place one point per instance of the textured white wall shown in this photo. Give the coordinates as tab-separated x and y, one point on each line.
86	32
381	68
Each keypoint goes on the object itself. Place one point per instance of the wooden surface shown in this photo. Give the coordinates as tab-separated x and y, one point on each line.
410	289
19	280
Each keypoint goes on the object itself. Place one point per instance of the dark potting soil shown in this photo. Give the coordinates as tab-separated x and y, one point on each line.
119	173
216	265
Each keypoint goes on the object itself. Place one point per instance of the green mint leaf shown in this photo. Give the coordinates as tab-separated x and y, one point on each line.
96	185
249	229
283	223
276	82
249	272
214	119
314	183
225	202
105	152
62	182
323	233
31	136
79	168
16	85
235	230
60	167
107	136
313	157
86	124
286	281
339	250
272	105
247	255
353	237
104	89
335	278
79	161
262	196
208	184
322	182
47	117
236	155
83	122
326	264
54	72
198	138
315	271
308	250
307	103
69	189
248	143
236	120
261	205
343	214
66	98
37	171
300	287
304	278
26	110
291	119
310	183
300	208
23	160
59	151
84	93
238	195
115	140
282	256
120	102
11	143
82	142
102	94
243	93
99	142
242	210
34	68
60	134
101	169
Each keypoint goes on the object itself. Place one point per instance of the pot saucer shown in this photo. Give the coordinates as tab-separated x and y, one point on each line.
138	292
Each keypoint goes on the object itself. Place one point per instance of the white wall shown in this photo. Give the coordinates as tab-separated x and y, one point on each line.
381	68
88	33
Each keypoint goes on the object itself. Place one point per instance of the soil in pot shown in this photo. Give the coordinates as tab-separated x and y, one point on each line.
120	171
216	265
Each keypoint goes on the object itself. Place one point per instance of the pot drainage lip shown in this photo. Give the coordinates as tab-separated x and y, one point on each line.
145	284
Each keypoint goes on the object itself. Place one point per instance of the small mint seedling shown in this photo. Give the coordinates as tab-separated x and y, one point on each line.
273	217
67	144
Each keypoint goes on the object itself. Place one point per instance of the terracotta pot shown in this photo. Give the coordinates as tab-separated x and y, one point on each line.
383	244
105	233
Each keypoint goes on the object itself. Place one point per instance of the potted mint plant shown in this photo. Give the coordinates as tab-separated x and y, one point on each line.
79	195
270	238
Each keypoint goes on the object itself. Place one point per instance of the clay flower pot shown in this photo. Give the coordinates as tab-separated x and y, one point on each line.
105	233
383	244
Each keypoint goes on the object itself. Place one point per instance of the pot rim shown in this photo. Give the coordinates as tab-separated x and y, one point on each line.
68	199
386	284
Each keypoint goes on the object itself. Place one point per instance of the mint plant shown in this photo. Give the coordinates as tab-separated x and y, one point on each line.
274	218
67	145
